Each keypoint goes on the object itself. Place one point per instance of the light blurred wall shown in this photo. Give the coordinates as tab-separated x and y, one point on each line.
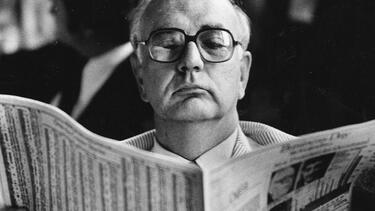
25	24
37	25
9	31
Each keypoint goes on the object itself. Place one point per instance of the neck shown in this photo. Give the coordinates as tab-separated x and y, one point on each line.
191	139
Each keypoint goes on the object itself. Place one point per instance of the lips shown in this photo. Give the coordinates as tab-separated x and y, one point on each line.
190	90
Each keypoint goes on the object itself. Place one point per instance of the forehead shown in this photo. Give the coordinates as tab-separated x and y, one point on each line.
190	15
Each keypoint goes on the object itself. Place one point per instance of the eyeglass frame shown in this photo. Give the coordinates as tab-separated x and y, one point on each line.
188	38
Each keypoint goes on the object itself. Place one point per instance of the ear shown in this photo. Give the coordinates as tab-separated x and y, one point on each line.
245	71
138	74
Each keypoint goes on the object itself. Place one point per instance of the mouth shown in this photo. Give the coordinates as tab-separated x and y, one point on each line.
190	91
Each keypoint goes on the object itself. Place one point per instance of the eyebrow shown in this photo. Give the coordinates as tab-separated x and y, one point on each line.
209	26
205	26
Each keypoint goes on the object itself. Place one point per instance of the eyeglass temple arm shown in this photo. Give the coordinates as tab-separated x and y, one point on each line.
140	43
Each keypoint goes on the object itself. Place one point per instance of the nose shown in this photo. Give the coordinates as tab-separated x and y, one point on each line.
191	60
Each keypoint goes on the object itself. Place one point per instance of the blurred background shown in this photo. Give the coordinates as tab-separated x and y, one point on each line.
313	60
25	24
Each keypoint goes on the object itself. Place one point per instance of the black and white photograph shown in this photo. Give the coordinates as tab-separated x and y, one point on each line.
314	169
282	182
184	104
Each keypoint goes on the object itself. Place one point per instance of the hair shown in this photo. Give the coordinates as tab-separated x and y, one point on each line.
106	19
137	14
135	20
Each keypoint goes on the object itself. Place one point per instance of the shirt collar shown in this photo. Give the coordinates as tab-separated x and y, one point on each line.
230	147
219	153
157	148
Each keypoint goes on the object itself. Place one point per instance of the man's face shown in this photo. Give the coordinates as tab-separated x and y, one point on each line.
192	89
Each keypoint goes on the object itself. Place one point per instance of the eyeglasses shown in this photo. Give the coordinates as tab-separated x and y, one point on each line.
168	45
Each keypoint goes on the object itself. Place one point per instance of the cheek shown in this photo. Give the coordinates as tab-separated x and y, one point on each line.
229	81
153	85
156	83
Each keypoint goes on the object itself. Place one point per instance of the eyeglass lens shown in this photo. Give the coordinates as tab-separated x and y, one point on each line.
168	45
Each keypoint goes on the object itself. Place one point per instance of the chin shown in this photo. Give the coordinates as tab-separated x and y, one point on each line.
191	115
192	111
189	118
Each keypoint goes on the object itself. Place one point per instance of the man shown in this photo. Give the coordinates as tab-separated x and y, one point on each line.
86	72
192	66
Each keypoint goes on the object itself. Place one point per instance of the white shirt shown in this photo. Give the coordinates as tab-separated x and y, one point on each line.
214	156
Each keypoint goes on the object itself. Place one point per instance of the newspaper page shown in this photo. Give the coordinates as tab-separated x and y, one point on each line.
50	162
313	172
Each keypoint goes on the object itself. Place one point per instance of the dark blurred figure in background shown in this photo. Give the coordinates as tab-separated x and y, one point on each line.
86	72
341	63
313	63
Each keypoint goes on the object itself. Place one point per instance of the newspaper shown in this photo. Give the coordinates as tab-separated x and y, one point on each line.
313	172
50	162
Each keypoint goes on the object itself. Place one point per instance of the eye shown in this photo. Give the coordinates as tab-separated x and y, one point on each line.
168	40
215	39
169	45
213	44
